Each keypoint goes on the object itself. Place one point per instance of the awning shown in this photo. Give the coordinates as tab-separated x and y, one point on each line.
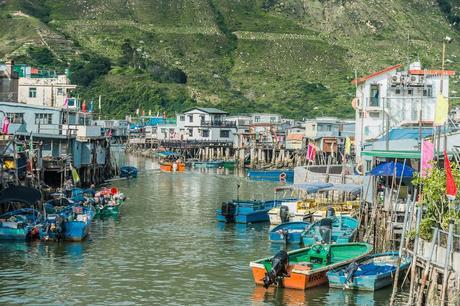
311	187
20	194
349	188
392	154
392	168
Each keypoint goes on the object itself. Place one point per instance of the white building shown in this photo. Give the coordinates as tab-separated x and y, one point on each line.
258	118
394	97
44	91
205	124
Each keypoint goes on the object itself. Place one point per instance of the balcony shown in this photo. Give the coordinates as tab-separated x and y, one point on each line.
218	124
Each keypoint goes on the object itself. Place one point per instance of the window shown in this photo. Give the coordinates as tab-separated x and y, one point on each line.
257	119
398	91
190	132
428	91
182	118
375	95
15	117
43	118
224	133
410	92
60	91
190	118
32	92
272	119
163	131
205	133
202	119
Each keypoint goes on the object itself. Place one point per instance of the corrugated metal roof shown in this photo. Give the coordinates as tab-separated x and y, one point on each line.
407	133
209	110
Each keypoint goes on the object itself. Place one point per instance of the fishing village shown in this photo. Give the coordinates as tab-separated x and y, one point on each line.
211	206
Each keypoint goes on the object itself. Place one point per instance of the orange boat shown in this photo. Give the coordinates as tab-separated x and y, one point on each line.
306	268
172	166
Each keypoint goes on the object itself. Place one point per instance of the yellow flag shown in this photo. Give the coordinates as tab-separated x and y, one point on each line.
347	146
441	113
75	176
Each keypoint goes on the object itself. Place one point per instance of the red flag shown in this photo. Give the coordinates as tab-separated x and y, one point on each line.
451	188
311	152
83	106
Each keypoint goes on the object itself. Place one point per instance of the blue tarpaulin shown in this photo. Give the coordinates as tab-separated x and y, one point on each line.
388	169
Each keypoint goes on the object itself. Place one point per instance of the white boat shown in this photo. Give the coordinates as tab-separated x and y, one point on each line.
290	212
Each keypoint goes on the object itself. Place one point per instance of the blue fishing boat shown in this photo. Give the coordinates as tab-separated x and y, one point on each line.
128	171
276	175
19	219
241	211
338	229
215	164
70	222
371	273
289	232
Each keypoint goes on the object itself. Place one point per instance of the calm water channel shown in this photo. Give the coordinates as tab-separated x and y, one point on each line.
166	249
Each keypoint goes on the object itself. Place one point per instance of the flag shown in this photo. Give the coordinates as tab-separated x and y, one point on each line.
441	112
5	125
311	152
83	106
66	102
451	188
137	112
427	157
143	112
90	108
347	146
75	176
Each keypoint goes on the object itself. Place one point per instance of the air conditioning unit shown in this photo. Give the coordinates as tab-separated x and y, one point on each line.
414	79
396	79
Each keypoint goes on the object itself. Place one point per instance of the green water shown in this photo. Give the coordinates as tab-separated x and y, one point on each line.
166	249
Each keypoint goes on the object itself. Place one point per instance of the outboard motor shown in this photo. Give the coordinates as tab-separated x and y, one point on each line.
349	273
228	211
325	230
330	212
284	214
280	264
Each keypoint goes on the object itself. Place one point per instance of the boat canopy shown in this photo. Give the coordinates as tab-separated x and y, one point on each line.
21	194
354	189
311	187
392	168
167	154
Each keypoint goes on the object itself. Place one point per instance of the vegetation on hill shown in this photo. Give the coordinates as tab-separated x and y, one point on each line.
294	57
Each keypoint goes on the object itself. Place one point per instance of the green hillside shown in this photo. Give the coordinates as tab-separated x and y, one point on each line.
294	57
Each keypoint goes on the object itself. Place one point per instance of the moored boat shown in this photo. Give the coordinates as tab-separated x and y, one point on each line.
19	219
229	164
290	212
128	171
250	211
170	162
276	175
339	229
306	268
371	273
214	164
289	232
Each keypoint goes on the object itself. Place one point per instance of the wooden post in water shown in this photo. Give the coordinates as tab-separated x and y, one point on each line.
414	256
403	235
427	267
445	277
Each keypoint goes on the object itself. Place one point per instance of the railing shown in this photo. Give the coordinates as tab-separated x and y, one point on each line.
56	129
221	124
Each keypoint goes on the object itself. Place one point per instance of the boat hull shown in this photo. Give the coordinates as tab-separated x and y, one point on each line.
214	164
18	234
271	175
294	280
76	230
290	232
229	164
370	282
168	167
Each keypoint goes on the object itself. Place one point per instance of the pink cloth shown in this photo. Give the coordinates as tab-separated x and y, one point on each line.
311	152
427	157
5	125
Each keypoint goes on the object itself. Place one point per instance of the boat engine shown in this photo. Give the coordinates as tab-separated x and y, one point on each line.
228	211
349	273
280	264
330	212
284	214
325	230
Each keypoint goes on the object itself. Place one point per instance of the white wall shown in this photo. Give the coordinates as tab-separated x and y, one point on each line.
49	91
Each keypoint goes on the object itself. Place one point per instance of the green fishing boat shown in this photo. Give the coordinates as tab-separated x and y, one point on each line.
229	164
306	268
108	211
